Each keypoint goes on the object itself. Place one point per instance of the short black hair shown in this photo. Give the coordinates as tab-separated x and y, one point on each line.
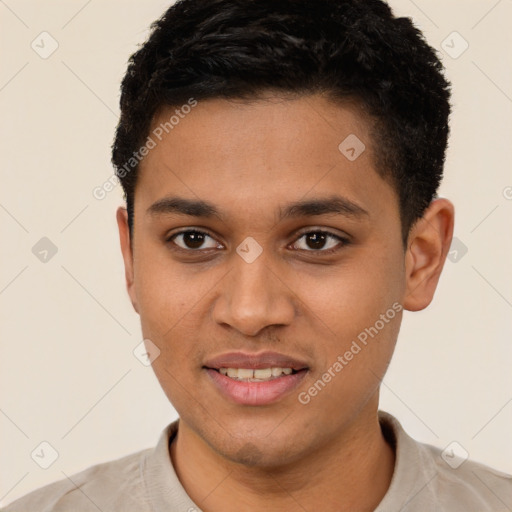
347	49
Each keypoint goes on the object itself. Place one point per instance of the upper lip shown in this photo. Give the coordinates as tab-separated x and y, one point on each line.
254	361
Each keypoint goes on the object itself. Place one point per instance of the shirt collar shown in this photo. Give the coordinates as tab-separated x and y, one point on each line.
163	488
414	473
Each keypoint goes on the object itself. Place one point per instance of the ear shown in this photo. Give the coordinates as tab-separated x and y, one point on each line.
427	247
126	249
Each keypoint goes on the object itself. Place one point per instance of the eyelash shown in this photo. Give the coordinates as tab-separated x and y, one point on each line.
343	242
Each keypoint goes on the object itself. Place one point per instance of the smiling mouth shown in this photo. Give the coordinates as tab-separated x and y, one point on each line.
255	379
255	375
263	383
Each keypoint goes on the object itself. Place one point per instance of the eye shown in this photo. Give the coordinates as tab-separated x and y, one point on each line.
193	240
320	241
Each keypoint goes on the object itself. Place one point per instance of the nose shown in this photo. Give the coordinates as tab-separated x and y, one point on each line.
253	297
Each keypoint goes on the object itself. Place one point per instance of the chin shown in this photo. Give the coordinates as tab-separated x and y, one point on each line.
257	450
260	455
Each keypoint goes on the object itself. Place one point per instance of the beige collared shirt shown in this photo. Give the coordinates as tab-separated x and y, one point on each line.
146	482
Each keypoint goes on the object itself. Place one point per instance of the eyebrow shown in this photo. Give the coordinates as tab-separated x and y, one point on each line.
337	205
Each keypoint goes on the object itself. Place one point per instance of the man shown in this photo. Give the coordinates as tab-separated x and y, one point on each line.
280	161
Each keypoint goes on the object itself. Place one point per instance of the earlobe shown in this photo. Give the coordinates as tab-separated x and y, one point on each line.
126	249
428	245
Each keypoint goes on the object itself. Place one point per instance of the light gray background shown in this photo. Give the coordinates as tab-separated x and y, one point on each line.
67	372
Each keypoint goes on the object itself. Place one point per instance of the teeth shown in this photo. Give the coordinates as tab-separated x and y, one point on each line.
244	374
265	373
258	375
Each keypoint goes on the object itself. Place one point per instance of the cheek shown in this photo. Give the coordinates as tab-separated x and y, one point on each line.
174	311
168	305
165	292
353	295
357	312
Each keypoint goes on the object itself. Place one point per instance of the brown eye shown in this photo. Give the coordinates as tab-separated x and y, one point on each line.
316	240
320	241
193	240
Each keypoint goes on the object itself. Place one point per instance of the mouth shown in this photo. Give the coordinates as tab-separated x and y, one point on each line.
255	379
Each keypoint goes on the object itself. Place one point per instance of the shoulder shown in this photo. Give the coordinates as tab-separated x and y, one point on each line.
105	487
428	479
468	483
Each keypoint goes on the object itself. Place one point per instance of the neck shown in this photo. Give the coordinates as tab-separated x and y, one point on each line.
351	472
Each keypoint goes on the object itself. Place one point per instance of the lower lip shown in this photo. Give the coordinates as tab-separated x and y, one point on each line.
256	393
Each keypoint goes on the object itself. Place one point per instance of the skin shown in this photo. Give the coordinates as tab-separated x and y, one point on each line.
250	159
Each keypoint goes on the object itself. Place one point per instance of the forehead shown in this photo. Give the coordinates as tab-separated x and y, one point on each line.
260	154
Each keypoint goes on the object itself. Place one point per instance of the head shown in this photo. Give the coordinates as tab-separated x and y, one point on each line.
318	129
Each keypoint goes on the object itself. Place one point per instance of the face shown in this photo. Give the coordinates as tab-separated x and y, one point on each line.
260	245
